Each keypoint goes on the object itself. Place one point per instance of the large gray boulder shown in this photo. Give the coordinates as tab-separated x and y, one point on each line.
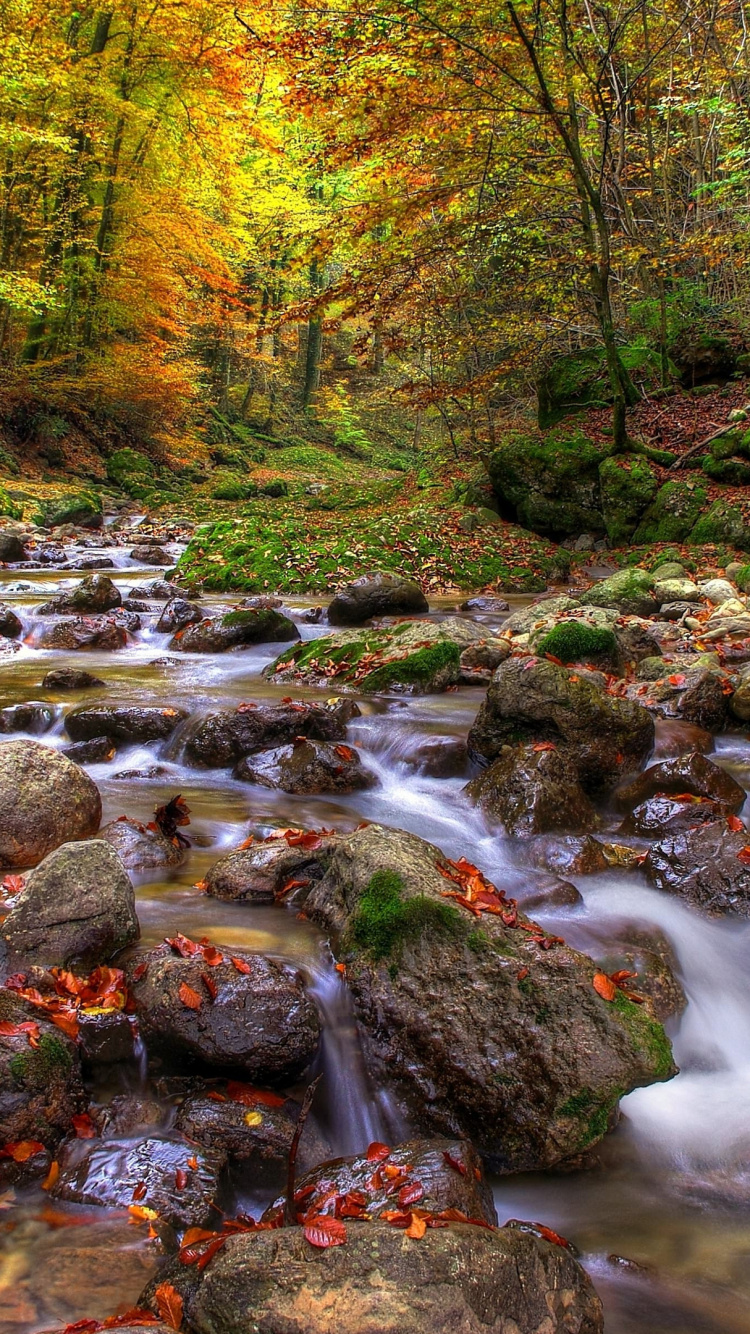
222	738
76	909
376	595
95	594
483	1027
461	1279
253	1015
236	629
129	724
536	701
45	800
630	591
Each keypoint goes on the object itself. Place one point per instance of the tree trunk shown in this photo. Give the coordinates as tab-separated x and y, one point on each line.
314	345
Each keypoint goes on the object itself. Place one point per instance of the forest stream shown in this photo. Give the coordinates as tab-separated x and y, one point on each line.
660	1214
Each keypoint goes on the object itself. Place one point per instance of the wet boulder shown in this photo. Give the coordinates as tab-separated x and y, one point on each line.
151	555
84	633
99	751
478	661
705	866
691	773
45	800
533	792
465	1278
92	563
140	848
11	547
40	1087
177	614
258	874
417	965
92	596
675	738
220	739
10	625
307	767
106	1039
251	1125
630	591
568	856
105	1174
439	757
740	701
130	725
76	909
260	1021
485	605
663	814
438	1173
70	678
376	595
706	701
31	717
236	629
534	700
160	590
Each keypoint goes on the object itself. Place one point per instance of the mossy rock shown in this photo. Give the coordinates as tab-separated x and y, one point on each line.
742	579
8	507
672	514
233	487
83	508
628	485
581	380
550	483
629	591
702	355
275	489
575	641
129	469
729	471
384	920
732	444
727	523
9	463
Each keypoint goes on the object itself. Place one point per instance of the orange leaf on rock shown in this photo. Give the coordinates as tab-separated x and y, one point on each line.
735	824
377	1152
190	998
21	1150
744	856
410	1194
52	1176
169	1303
417	1227
241	965
324	1231
604	986
83	1126
456	1163
544	745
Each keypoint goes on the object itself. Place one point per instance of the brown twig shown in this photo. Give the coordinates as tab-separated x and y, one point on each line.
290	1213
723	430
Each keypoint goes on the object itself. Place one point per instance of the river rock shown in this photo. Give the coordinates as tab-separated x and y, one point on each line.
703	867
739	704
410	657
177	614
236	629
674	738
568	856
45	800
306	768
260	1022
660	815
10	625
40	1087
142	723
160	590
478	661
76	909
220	739
99	751
139	848
417	969
260	1130
705	702
463	1278
533	792
84	633
535	700
151	555
93	1172
485	605
676	590
106	1039
93	595
92	563
31	717
691	773
376	595
439	757
629	591
257	874
448	1171
70	678
11	548
717	591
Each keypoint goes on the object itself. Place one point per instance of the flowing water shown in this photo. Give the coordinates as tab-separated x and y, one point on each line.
662	1217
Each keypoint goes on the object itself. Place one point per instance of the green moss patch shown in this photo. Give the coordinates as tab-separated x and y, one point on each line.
423	668
574	641
385	920
647	1035
36	1068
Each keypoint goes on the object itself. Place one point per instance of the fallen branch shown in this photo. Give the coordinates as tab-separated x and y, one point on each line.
723	430
290	1213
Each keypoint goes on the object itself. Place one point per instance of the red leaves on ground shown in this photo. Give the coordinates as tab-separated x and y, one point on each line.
21	1150
744	856
344	752
604	986
323	1231
480	895
377	1152
457	1164
83	1126
183	945
189	998
103	990
10	1030
241	965
169	1304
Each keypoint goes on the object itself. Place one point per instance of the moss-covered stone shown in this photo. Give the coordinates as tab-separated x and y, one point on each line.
421	669
628	485
384	920
129	469
8	507
726	522
231	486
647	1034
729	471
83	508
550	483
37	1068
575	641
672	514
581	380
742	578
629	591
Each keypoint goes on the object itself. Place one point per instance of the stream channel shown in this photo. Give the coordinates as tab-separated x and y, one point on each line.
662	1220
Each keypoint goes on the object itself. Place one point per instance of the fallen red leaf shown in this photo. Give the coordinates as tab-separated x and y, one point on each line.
241	965
324	1231
411	1194
169	1304
604	986
83	1126
377	1152
735	824
180	1178
189	998
456	1163
21	1150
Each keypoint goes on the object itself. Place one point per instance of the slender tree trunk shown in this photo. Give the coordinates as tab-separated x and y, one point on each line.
314	345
